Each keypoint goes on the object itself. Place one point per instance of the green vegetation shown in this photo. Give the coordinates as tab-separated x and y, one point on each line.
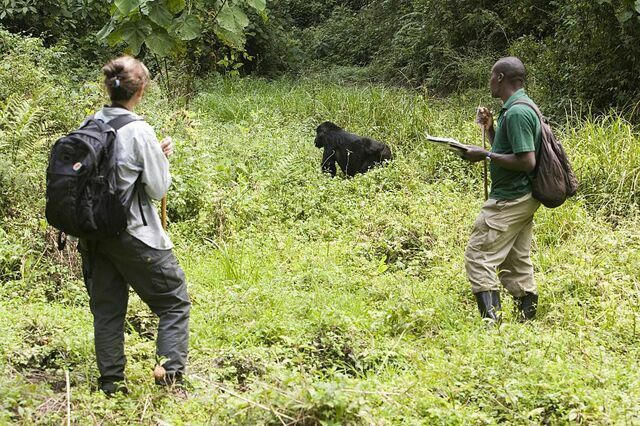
448	46
318	300
578	52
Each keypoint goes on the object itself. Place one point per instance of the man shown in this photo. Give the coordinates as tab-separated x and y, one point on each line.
500	243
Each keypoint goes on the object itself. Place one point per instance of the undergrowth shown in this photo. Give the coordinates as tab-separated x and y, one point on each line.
336	301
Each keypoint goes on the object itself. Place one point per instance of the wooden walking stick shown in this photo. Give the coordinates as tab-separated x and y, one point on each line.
163	202
486	183
479	113
163	212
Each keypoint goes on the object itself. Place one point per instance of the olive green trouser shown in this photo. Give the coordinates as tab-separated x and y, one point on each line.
110	266
500	246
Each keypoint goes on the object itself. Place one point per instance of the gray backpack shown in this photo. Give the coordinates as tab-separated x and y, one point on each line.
553	180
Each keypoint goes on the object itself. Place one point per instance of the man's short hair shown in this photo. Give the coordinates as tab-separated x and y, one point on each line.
512	68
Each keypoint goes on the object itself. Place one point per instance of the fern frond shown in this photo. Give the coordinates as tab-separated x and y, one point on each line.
22	124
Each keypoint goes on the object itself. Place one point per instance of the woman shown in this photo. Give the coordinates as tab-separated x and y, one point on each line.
140	257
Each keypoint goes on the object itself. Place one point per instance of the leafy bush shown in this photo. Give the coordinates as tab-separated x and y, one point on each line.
330	301
451	46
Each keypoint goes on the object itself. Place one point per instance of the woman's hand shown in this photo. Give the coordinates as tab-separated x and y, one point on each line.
167	146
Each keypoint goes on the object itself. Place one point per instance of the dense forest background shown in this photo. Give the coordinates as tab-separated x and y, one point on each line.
578	52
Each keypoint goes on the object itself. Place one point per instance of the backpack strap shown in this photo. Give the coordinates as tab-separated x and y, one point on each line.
121	121
531	105
118	123
535	109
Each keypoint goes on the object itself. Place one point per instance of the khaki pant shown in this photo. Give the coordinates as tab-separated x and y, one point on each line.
500	246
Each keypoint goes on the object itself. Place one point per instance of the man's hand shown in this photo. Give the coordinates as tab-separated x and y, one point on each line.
474	153
167	146
484	118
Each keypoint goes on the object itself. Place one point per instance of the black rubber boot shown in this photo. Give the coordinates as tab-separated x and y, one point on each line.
526	306
489	305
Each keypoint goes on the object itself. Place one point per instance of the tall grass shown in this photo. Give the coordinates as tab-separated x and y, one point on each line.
606	150
344	301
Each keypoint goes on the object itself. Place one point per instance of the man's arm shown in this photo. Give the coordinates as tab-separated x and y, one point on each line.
521	128
520	162
491	134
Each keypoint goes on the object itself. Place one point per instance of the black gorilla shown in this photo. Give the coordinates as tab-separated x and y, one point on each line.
354	154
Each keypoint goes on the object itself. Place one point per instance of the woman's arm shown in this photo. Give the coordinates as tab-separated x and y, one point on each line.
155	166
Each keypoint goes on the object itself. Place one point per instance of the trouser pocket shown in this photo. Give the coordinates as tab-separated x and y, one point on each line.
167	275
161	266
487	233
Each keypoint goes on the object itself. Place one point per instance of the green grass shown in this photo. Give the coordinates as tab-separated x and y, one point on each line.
335	301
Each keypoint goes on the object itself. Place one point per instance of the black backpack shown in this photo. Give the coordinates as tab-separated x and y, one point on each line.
553	180
82	195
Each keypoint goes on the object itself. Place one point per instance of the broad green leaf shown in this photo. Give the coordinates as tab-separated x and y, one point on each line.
186	27
638	6
134	34
232	19
106	30
240	17
159	14
230	38
127	6
226	19
160	42
175	6
259	5
625	16
114	38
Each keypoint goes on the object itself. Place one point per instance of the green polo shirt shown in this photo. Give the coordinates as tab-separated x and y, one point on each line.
516	131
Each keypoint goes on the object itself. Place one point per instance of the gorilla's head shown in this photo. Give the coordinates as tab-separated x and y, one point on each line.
376	151
385	154
322	131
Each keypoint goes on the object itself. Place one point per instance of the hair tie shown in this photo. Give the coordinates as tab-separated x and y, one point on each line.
116	83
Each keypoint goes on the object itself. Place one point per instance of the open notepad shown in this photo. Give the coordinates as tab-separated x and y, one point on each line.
449	143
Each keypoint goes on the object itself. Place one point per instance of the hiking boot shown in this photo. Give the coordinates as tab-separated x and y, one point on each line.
173	382
112	385
170	379
526	306
489	305
167	378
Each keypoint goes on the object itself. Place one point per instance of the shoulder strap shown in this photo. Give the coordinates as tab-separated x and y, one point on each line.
121	121
531	105
535	108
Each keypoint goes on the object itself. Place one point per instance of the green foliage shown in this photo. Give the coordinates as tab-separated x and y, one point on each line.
319	300
70	23
605	150
51	18
164	26
450	46
594	67
45	77
22	129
